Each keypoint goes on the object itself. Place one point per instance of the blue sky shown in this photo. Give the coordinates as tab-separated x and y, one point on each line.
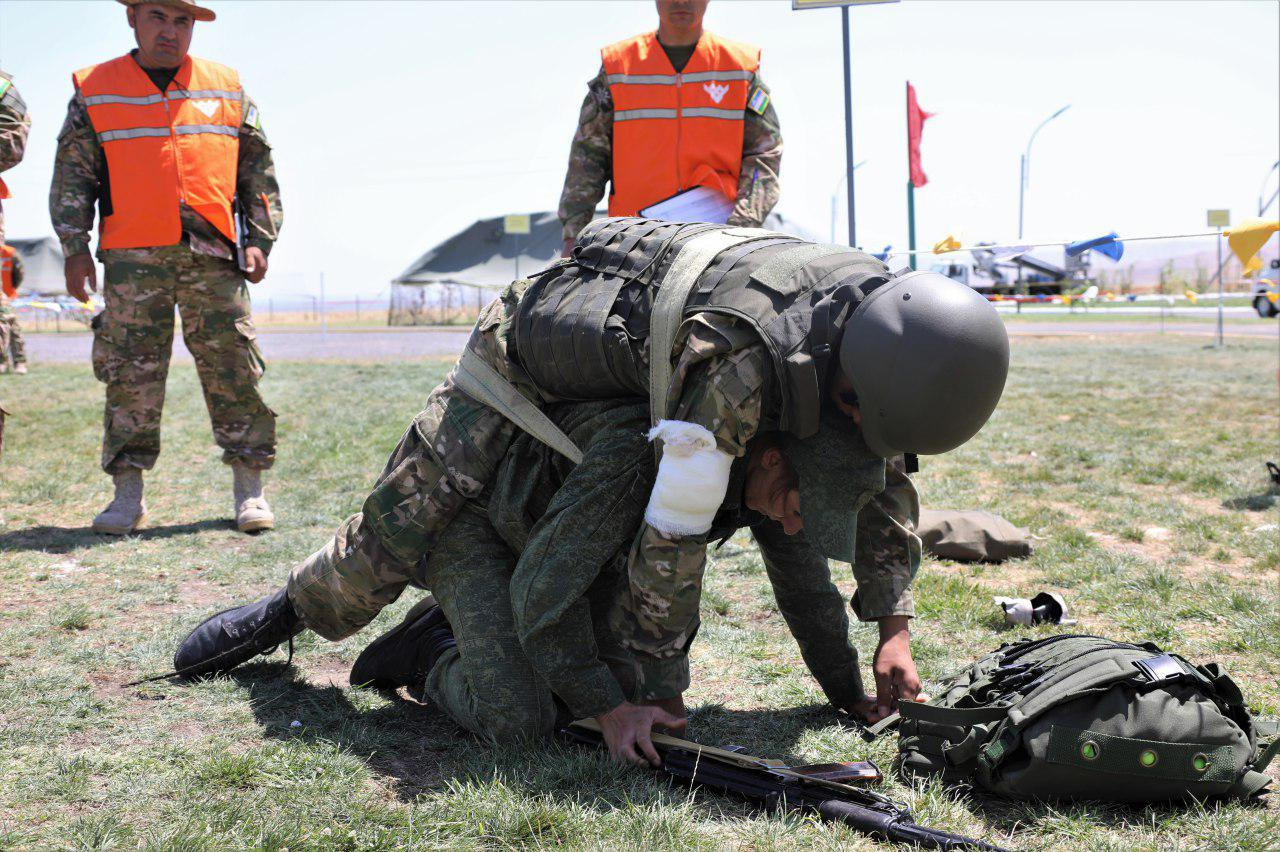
396	124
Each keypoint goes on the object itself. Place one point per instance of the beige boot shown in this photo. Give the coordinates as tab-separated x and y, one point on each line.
253	513
126	512
20	369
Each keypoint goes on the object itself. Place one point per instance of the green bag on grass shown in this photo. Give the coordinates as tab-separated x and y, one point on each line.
1081	717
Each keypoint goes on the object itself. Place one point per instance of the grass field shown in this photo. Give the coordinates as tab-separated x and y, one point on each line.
1137	464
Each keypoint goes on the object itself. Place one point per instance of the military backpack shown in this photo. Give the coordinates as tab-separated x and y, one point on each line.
1082	717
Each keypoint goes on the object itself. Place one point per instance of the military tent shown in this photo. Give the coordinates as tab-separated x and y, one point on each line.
448	283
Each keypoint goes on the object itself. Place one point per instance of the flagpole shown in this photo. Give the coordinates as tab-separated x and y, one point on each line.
911	188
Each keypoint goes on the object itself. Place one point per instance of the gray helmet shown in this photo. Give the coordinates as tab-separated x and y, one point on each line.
927	357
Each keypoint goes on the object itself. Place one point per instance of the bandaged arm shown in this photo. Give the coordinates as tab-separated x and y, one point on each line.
722	394
693	476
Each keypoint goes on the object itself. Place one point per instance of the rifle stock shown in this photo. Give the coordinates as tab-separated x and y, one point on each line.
771	784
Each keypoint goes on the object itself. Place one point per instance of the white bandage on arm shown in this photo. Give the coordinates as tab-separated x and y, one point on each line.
693	477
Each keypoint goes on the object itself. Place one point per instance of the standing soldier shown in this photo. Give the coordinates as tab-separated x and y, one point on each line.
172	150
14	124
669	111
12	346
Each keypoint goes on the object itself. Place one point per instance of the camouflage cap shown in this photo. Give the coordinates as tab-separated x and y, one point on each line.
198	12
838	474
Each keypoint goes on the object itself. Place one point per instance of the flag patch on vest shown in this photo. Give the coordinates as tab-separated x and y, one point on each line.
758	102
251	117
4	86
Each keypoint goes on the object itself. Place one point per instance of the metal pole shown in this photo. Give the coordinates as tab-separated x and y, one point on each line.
357	309
1022	193
324	317
911	222
1219	286
848	121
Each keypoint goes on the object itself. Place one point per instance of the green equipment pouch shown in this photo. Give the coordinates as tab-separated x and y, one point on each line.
1087	718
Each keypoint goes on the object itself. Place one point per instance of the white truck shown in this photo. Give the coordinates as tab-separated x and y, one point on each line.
1266	289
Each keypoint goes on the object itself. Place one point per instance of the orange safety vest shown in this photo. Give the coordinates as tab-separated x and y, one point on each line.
672	132
6	270
164	148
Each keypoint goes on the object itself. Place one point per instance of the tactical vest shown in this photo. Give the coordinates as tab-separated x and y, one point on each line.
165	148
581	329
7	288
673	130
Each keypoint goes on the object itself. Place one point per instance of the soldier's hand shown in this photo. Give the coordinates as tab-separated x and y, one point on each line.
80	271
255	261
894	669
567	248
674	706
627	732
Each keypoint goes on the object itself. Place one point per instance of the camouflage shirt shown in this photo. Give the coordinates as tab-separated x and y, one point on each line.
591	160
14	125
719	382
81	166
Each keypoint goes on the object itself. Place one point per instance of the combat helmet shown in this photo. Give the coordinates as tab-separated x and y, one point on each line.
927	357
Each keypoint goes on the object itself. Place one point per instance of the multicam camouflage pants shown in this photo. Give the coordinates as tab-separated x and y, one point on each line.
13	348
487	684
133	341
444	459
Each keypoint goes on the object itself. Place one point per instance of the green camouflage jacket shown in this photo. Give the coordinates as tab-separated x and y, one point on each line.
81	165
14	125
591	160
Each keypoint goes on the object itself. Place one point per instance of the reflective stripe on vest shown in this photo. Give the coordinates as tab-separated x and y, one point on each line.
164	149
675	131
6	270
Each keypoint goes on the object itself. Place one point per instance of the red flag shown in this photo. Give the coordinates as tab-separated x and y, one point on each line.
915	128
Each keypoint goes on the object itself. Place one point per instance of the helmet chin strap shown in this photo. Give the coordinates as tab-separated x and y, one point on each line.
829	318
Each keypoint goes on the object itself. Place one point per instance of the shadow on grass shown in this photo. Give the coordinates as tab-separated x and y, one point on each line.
1252	502
47	539
423	751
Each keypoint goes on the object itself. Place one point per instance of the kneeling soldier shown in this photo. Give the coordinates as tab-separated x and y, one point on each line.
762	333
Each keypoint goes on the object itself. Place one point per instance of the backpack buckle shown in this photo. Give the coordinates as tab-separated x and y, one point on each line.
1160	669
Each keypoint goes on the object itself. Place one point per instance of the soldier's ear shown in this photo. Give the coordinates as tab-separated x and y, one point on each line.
133	21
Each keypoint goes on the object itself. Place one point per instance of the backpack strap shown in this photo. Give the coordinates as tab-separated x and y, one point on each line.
482	382
668	305
953	735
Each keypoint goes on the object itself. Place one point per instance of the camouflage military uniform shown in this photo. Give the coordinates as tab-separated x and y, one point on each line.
453	448
14	125
133	336
591	160
528	573
13	349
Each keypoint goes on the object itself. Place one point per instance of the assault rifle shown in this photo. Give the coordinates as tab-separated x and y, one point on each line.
824	789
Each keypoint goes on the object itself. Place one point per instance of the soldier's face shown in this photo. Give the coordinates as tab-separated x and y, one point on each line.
681	14
773	489
163	34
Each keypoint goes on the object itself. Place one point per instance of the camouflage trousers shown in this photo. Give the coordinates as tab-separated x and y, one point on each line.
446	458
487	684
13	348
133	342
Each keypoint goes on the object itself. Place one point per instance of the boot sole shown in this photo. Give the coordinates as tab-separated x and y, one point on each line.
103	529
256	526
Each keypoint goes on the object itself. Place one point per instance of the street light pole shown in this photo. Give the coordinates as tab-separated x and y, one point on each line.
835	198
848	122
1025	173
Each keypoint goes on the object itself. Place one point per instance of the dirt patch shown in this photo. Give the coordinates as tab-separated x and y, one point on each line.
328	671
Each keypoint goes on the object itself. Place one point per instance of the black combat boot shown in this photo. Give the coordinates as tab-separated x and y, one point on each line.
231	637
405	654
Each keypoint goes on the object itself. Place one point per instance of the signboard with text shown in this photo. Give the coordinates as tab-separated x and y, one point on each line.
801	5
516	223
1219	218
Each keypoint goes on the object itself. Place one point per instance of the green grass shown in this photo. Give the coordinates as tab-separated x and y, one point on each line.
1096	443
